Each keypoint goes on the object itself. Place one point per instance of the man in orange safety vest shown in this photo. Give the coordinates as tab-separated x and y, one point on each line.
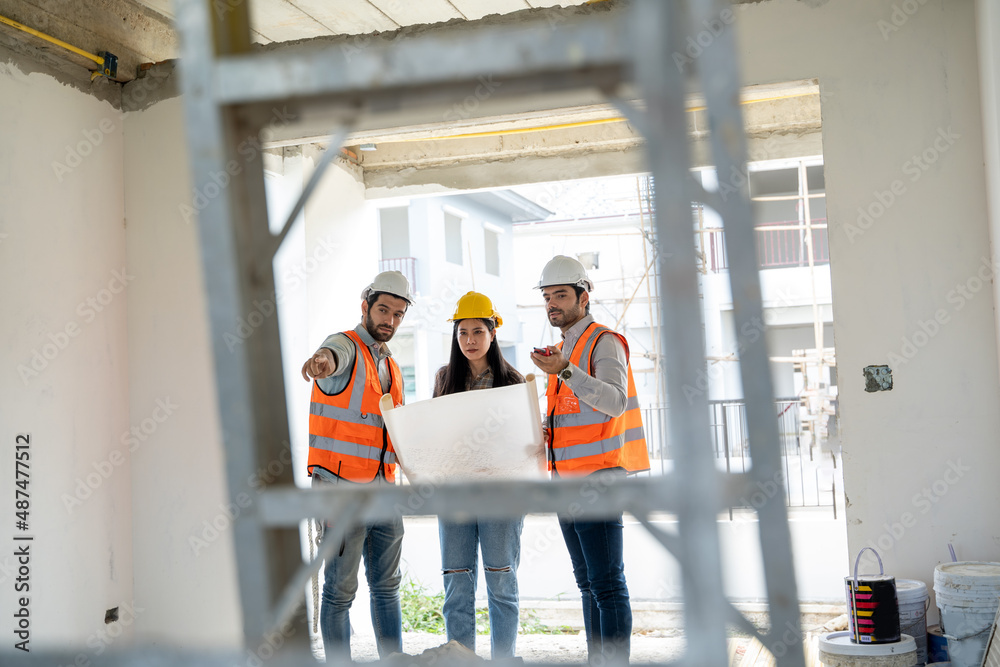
594	428
349	444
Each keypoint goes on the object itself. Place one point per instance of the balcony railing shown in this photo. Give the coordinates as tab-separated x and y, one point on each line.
779	245
405	265
808	474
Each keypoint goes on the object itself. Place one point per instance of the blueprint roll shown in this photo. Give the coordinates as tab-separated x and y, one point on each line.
487	434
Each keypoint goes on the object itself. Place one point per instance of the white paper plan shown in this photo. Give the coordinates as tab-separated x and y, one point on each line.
482	434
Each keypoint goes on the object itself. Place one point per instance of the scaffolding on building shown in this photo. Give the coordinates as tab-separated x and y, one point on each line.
230	92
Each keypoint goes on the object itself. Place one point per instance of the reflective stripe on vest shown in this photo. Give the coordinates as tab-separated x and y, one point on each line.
349	415
585	440
347	434
349	448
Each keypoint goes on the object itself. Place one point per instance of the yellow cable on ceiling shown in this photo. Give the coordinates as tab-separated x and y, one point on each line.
48	38
583	123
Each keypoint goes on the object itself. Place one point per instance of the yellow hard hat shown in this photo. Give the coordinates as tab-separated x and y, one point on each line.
477	306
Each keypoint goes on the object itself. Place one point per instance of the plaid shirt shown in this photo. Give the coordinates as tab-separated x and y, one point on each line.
483	381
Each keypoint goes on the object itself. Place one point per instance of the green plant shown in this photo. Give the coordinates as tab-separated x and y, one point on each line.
532	625
422	613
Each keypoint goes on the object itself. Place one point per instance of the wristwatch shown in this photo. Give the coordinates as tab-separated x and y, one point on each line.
566	373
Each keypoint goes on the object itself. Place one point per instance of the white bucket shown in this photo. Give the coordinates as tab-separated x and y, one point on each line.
968	594
837	650
912	597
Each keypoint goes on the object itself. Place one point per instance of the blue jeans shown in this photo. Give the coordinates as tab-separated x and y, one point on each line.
595	548
501	544
381	546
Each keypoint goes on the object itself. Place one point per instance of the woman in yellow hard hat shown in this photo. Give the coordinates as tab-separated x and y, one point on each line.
476	363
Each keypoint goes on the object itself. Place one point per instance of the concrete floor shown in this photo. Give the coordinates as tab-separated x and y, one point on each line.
559	649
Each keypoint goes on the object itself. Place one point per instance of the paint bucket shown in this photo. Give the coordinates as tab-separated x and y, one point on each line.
871	602
937	645
912	598
968	594
838	649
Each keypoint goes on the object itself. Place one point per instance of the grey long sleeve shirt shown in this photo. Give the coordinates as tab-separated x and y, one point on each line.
343	352
606	390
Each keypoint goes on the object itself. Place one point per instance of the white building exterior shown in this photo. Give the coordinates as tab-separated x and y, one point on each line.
448	246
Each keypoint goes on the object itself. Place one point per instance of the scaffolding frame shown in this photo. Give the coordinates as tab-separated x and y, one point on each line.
229	95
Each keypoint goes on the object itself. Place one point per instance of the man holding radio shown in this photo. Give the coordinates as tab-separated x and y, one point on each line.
594	427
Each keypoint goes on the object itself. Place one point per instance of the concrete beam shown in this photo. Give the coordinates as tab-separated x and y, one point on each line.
134	33
781	122
569	165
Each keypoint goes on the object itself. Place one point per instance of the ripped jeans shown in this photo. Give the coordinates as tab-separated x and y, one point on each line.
501	545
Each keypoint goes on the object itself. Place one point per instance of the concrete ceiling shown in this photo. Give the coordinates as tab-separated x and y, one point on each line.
291	20
413	150
141	31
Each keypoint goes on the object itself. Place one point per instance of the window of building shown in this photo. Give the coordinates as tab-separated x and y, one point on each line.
452	238
789	207
492	242
409	374
394	228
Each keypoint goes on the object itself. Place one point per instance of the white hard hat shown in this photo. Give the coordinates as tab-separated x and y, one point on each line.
563	270
392	282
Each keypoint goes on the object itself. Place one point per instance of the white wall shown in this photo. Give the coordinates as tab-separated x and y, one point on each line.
338	215
65	381
889	92
187	587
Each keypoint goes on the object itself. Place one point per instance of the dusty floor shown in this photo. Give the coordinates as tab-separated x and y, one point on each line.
534	648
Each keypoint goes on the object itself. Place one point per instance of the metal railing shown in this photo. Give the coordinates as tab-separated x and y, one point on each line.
405	265
776	248
808	473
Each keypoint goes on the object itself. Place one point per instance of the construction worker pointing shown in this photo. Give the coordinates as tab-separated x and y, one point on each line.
349	444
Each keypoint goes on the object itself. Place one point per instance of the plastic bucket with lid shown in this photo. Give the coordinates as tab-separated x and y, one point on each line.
837	649
968	594
871	603
912	598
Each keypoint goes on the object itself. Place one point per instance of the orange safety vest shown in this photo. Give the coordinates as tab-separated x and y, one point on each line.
347	434
583	440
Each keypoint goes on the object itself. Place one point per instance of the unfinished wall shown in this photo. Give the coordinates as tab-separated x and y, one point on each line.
185	577
65	283
911	265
